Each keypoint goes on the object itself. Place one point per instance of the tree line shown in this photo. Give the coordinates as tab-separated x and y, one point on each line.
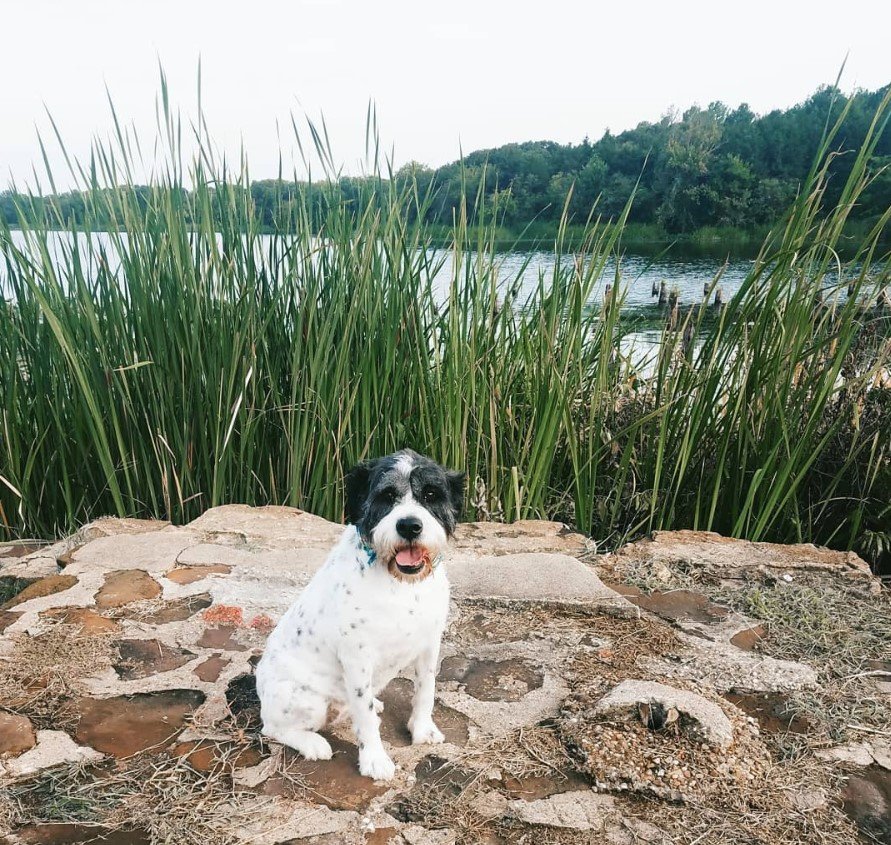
707	167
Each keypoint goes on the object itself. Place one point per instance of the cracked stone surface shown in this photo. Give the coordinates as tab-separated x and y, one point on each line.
162	627
707	720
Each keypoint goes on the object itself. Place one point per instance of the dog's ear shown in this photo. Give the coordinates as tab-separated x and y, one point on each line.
356	483
456	491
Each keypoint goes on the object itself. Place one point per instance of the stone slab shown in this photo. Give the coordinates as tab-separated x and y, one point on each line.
530	577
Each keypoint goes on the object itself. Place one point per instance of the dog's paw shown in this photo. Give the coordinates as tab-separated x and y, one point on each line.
424	732
378	706
374	763
308	744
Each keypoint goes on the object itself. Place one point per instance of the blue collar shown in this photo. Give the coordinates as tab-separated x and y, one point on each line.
371	554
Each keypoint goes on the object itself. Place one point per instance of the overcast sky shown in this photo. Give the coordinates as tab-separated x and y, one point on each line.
444	75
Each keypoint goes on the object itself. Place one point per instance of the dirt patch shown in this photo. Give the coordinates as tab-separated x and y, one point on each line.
10	587
141	658
38	589
773	711
162	612
867	800
190	574
334	783
222	636
16	734
126	586
7	618
155	798
751	638
125	725
492	680
397	698
210	669
89	622
207	756
681	605
80	834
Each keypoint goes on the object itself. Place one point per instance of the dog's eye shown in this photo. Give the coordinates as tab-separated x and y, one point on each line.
389	495
430	495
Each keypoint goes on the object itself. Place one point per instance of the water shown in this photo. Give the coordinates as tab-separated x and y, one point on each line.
638	273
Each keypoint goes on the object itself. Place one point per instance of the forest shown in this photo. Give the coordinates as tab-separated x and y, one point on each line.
712	167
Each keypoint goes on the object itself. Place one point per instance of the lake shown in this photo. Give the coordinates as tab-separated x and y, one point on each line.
639	273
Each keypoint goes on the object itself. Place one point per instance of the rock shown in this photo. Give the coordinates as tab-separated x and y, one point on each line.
707	720
48	586
529	577
190	574
806	800
724	667
53	748
731	557
575	810
16	734
273	527
632	831
126	586
863	753
490	804
524	536
124	725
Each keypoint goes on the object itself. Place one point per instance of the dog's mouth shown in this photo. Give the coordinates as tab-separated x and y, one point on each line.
411	559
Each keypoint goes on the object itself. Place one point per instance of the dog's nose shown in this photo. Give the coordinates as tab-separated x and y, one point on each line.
409	528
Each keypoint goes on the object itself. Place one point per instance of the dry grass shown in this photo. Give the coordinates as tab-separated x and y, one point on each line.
161	795
42	675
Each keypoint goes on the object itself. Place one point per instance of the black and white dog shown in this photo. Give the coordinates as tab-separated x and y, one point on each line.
377	605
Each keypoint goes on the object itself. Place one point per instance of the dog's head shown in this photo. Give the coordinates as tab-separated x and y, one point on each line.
406	507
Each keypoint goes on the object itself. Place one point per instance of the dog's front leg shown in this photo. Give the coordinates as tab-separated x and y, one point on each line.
374	762
421	725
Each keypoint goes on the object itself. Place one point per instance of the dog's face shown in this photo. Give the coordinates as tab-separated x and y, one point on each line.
406	507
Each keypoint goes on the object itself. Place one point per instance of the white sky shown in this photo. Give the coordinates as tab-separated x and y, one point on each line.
468	73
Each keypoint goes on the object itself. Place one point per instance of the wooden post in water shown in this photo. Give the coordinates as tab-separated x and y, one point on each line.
655	289
719	298
663	293
673	298
705	286
688	332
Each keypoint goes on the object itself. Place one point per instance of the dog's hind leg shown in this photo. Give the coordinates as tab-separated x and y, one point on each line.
295	722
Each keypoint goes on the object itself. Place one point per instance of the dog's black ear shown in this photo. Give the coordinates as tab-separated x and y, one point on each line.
356	483
456	491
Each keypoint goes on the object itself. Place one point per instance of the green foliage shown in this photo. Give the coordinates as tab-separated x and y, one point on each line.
710	167
185	359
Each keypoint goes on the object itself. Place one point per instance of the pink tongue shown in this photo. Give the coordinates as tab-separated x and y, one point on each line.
409	557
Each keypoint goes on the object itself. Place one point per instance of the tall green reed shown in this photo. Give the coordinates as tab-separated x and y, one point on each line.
186	358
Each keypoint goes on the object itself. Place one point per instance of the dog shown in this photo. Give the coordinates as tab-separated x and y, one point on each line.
377	606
